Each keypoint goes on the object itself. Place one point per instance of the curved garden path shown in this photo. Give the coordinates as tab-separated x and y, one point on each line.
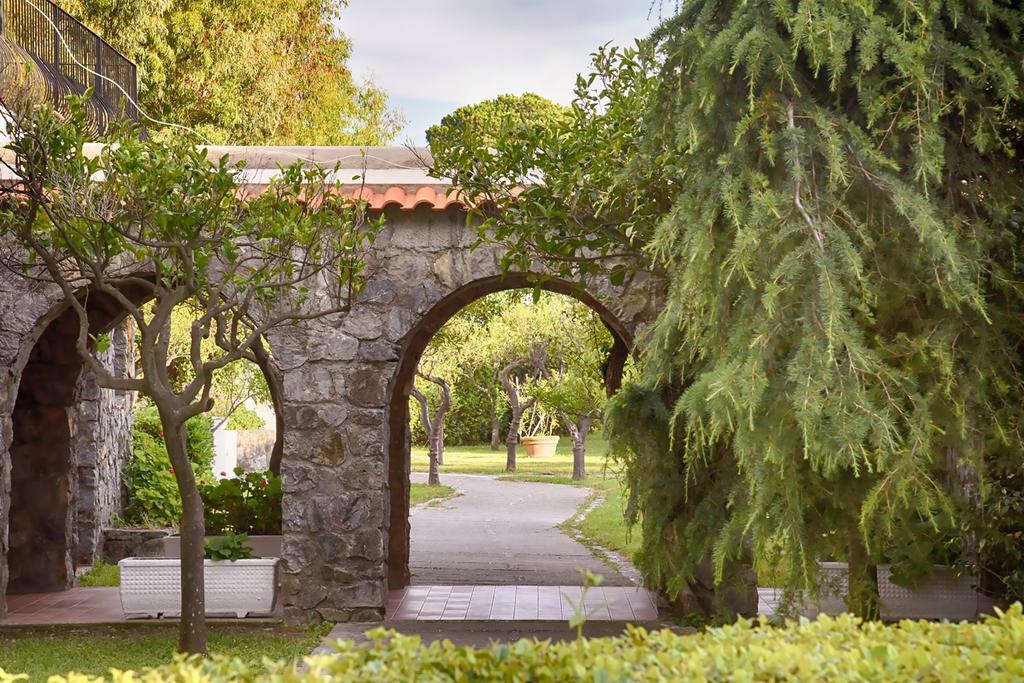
502	533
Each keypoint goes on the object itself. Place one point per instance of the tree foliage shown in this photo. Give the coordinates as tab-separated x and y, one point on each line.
244	71
834	192
478	126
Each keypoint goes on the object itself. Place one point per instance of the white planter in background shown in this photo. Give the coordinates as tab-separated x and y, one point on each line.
151	586
942	595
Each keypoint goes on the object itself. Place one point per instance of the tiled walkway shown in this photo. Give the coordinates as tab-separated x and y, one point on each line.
518	603
75	606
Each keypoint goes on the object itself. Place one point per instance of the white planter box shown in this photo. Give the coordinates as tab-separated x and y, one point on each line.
151	586
943	595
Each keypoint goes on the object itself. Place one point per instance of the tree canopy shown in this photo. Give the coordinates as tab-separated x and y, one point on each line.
833	190
245	72
478	126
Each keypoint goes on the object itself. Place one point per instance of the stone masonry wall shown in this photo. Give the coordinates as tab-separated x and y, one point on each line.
338	373
102	445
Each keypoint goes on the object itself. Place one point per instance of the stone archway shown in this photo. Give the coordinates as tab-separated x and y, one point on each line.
345	377
55	415
401	384
66	443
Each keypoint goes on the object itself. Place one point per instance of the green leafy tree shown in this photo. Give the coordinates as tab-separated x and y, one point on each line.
572	386
834	192
477	126
167	224
244	71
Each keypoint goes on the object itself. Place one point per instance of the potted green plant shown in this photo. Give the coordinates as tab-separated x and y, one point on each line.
538	440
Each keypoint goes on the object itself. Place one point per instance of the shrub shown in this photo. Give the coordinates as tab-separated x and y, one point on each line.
250	503
244	418
841	649
153	498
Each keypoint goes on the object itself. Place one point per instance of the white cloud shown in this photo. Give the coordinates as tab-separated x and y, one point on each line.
464	51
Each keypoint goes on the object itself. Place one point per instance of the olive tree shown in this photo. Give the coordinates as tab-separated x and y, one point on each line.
154	226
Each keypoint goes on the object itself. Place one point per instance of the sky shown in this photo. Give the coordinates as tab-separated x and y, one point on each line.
433	56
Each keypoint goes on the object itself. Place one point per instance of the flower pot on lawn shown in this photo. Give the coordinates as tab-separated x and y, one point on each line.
540	446
151	586
942	595
261	546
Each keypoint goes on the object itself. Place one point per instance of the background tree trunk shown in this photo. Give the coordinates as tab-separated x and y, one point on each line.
512	438
440	444
862	590
192	632
275	384
495	425
577	432
434	426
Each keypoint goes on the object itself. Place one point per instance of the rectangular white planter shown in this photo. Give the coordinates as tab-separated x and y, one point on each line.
151	586
943	595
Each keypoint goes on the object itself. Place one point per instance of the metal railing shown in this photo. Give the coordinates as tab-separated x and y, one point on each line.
22	22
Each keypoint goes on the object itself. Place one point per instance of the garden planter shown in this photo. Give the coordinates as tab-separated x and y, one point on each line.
151	586
261	546
943	595
541	446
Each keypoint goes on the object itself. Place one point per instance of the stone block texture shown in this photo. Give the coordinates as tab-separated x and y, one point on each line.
102	425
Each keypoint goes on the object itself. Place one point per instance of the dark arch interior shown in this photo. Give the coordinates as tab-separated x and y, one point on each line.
40	554
415	343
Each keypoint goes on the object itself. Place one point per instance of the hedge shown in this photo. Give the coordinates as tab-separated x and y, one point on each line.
840	649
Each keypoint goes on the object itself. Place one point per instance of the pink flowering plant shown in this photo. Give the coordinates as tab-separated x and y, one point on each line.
248	503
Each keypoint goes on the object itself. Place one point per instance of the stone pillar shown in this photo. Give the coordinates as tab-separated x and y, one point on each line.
102	425
333	470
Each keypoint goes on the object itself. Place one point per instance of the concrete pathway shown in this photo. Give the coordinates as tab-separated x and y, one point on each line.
501	533
520	603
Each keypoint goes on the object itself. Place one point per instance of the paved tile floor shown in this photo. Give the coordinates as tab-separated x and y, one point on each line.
518	603
75	606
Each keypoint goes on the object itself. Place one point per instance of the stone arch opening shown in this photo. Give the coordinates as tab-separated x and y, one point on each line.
53	460
413	346
41	532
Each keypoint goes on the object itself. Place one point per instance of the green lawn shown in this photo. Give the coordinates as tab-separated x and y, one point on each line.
482	460
421	493
604	525
44	652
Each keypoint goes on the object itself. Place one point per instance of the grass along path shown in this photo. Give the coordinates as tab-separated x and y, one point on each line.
94	650
482	460
603	526
422	494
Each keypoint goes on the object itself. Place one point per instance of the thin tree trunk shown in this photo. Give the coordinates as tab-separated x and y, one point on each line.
433	476
434	426
578	434
192	632
275	384
495	425
862	590
440	444
512	438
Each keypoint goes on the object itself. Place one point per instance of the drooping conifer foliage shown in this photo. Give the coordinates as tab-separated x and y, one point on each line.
834	191
844	315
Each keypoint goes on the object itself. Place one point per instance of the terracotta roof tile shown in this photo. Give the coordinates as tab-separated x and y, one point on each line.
407	199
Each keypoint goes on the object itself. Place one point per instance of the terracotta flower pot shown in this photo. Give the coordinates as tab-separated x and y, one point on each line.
541	446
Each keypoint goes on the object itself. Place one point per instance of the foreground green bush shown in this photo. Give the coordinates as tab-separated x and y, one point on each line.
839	649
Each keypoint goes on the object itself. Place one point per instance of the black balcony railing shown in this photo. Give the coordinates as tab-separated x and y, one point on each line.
71	58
